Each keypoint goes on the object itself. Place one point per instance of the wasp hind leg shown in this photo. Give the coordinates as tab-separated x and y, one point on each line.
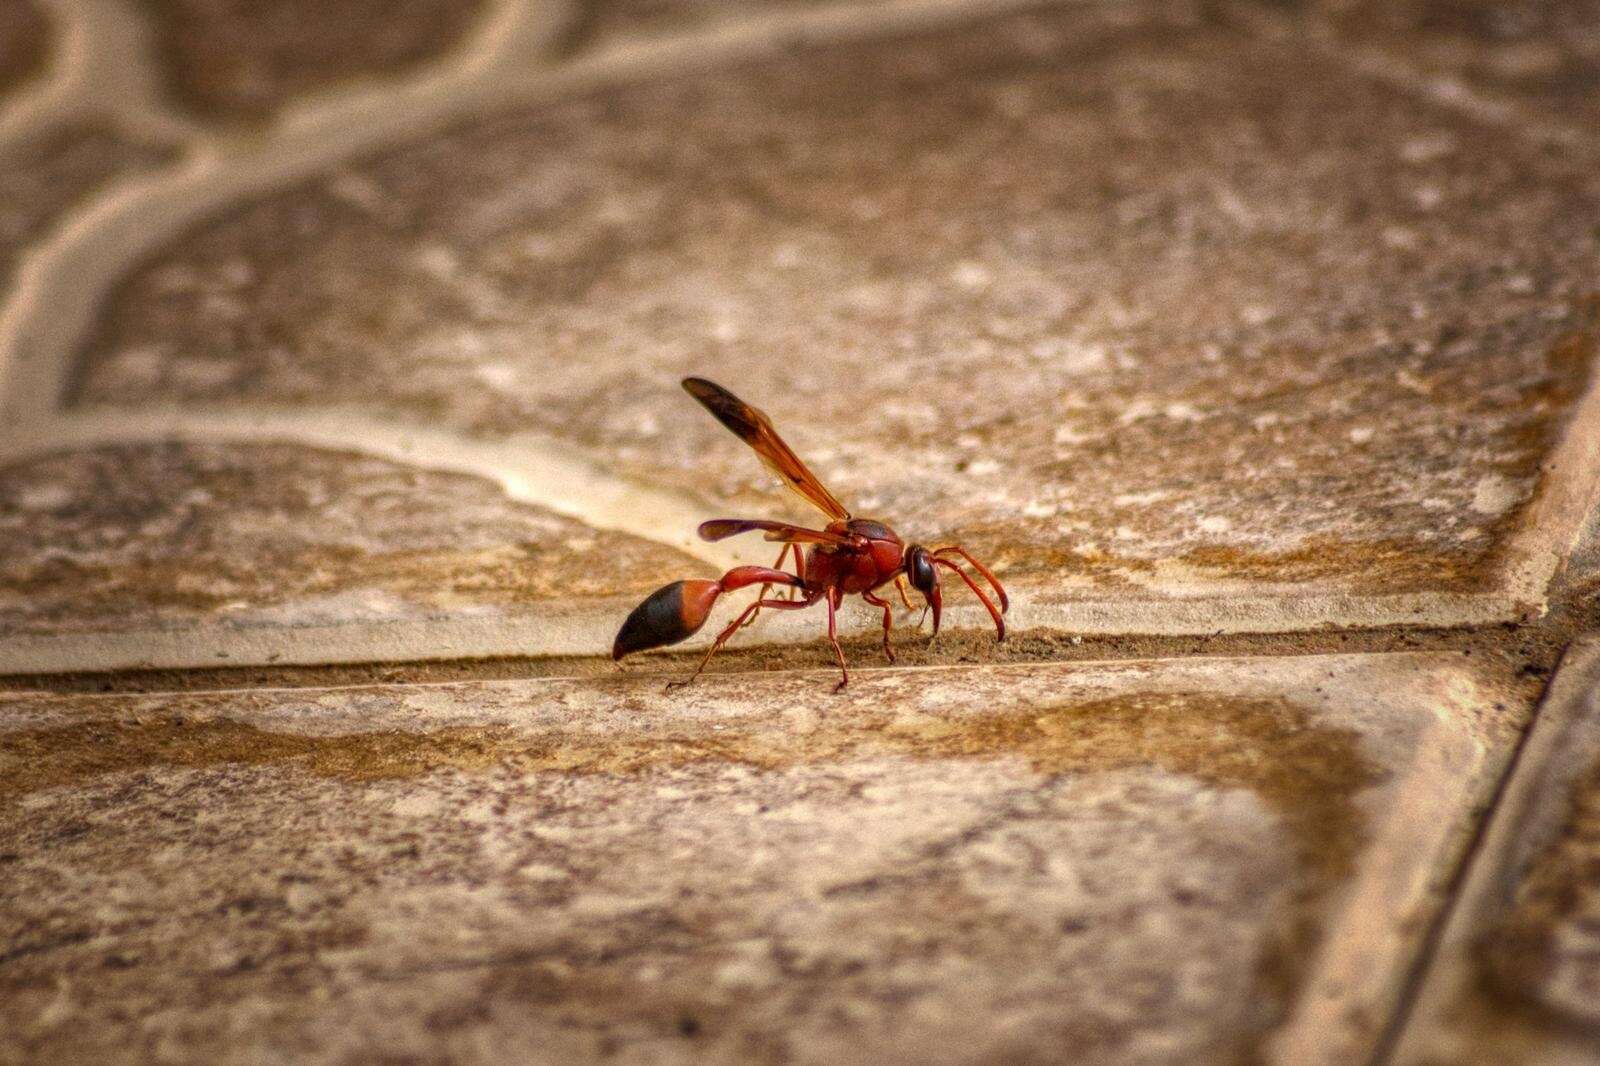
677	611
832	601
791	593
733	627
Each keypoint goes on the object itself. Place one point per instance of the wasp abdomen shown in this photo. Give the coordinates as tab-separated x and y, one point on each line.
672	613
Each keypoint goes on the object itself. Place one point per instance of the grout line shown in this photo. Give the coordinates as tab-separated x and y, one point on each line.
62	279
586	629
1394	1027
514	37
1399	909
1568	490
14	696
105	69
101	69
553	474
1557	712
58	288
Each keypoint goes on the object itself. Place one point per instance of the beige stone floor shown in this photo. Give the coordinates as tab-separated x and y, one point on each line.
1251	343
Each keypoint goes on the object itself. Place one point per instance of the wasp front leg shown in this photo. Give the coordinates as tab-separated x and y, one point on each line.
994	582
900	587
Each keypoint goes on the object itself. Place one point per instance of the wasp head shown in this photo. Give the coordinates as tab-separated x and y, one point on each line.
925	579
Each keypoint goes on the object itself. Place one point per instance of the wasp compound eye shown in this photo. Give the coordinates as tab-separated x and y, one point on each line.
919	568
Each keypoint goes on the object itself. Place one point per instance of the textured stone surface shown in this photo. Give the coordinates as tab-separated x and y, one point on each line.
1193	318
1518	970
161	535
243	60
1547	947
1543	55
47	174
24	41
979	864
1118	298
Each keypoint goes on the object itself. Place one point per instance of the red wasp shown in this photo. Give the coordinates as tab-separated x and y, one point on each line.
850	555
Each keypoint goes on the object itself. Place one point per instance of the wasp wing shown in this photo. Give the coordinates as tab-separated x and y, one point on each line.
755	429
723	528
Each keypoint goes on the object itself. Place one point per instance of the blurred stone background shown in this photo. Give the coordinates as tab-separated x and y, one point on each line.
1251	343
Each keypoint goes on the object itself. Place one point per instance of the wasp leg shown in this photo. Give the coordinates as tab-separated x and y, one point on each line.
833	598
888	618
900	587
732	628
677	611
766	586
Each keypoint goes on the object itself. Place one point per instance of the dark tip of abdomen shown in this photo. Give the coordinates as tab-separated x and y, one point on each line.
669	614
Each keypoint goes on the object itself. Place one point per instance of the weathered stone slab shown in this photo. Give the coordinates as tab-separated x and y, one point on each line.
1147	862
1517	977
237	59
1139	306
24	42
202	541
45	175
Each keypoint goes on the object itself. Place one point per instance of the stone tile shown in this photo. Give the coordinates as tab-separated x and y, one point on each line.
133	538
44	176
1517	978
24	43
236	59
1148	862
1543	56
1134	304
